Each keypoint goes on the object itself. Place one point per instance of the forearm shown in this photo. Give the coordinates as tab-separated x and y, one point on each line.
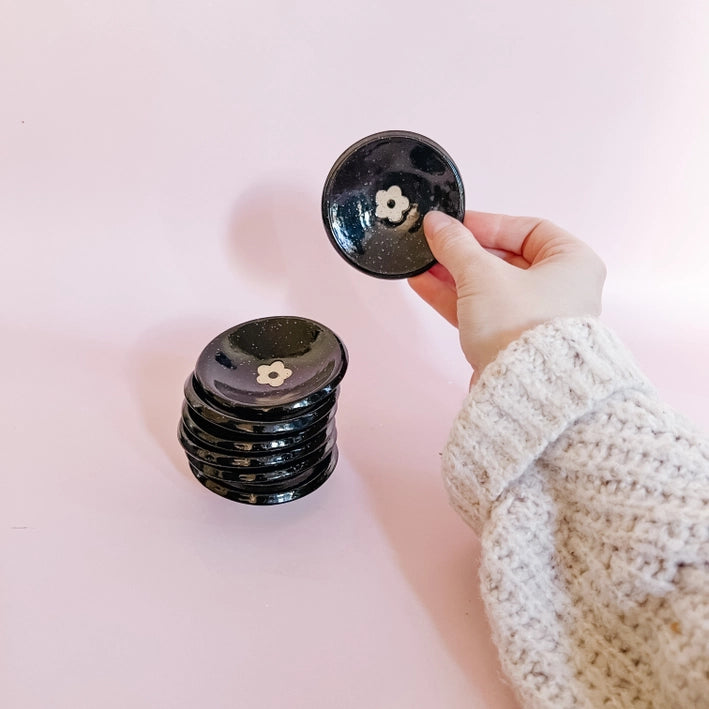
592	501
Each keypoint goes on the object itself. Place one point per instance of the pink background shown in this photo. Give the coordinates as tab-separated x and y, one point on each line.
160	174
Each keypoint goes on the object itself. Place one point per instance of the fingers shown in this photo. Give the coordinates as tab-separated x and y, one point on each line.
512	259
499	231
453	246
529	237
439	294
442	274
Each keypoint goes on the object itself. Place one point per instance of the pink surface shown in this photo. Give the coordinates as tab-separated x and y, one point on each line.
160	174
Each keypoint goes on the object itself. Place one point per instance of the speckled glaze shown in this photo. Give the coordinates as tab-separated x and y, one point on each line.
258	420
227	371
376	196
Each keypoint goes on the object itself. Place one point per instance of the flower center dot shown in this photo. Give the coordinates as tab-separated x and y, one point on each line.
391	204
273	375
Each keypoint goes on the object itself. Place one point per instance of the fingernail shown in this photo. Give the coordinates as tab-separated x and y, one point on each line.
434	221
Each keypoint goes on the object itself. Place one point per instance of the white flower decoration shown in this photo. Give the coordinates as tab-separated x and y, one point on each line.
391	204
273	374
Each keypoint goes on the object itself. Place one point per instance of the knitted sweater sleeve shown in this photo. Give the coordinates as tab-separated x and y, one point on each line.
591	499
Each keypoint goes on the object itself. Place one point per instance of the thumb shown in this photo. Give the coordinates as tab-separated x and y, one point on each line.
454	246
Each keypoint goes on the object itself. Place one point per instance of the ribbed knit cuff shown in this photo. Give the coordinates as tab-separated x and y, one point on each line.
536	387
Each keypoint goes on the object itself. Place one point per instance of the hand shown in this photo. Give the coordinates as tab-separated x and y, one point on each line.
498	276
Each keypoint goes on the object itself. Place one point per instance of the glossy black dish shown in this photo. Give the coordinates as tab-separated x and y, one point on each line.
271	369
213	437
254	496
231	422
264	475
220	458
258	418
375	198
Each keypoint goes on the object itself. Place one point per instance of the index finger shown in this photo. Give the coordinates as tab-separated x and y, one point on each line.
525	236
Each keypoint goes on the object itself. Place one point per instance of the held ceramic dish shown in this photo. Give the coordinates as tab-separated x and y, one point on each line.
375	198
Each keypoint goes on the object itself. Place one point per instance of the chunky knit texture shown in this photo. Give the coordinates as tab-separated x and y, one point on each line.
591	499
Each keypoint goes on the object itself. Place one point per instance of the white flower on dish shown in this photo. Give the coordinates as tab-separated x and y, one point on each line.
273	374
391	204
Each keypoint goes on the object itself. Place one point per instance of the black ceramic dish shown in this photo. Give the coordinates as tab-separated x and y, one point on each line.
376	196
253	447
259	416
313	480
214	437
221	458
271	369
225	420
268	475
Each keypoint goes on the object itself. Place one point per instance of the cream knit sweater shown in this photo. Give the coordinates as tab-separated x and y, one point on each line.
591	499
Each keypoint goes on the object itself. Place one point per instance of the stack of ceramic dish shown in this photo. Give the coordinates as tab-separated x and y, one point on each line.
258	421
